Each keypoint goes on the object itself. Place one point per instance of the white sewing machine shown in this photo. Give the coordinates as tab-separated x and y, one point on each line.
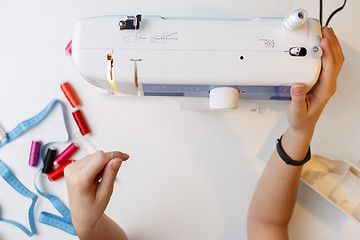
223	59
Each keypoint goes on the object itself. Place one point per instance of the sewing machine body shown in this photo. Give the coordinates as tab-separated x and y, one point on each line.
190	57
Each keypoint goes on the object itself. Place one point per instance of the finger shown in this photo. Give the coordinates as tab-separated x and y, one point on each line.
328	58
105	187
336	47
298	95
326	84
116	154
99	176
329	52
327	81
83	162
98	161
298	105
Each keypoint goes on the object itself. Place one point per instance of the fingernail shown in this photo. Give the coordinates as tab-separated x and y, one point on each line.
116	165
299	88
126	157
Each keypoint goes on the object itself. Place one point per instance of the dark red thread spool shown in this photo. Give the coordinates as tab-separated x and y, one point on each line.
81	122
58	172
70	94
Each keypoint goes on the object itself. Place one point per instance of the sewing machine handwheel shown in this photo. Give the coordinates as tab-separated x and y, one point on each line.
224	98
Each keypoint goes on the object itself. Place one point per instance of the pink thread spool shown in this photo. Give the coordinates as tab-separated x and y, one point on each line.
67	153
34	153
68	49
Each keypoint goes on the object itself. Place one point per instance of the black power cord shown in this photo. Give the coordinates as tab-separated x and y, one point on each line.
331	15
320	13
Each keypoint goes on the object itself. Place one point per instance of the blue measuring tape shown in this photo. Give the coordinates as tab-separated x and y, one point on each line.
27	124
20	188
64	223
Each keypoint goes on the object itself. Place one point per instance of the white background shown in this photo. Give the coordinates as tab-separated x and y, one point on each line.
191	175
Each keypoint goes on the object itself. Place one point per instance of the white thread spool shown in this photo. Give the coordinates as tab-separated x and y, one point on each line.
295	19
84	143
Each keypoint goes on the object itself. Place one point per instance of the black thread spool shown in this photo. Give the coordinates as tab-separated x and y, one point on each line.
49	160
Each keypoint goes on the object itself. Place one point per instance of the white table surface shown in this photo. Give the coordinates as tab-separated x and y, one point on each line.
191	174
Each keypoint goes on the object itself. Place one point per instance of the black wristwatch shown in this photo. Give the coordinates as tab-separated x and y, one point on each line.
288	159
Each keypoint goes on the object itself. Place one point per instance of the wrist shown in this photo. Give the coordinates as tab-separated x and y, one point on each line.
86	230
300	134
296	143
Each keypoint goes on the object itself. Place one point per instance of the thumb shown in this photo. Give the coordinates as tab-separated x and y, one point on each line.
298	93
298	96
105	187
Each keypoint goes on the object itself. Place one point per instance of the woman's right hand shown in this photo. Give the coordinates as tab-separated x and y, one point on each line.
88	197
305	109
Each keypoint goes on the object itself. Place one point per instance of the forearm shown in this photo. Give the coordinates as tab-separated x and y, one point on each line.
274	198
275	194
106	228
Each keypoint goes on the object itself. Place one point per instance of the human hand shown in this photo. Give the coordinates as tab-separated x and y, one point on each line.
88	197
305	109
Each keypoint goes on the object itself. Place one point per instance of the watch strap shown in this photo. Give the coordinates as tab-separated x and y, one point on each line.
287	159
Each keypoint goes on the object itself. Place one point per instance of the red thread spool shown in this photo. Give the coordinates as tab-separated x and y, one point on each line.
81	122
70	94
67	153
58	172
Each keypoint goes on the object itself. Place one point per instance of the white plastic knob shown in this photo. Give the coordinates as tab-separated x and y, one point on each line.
224	98
316	51
295	19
